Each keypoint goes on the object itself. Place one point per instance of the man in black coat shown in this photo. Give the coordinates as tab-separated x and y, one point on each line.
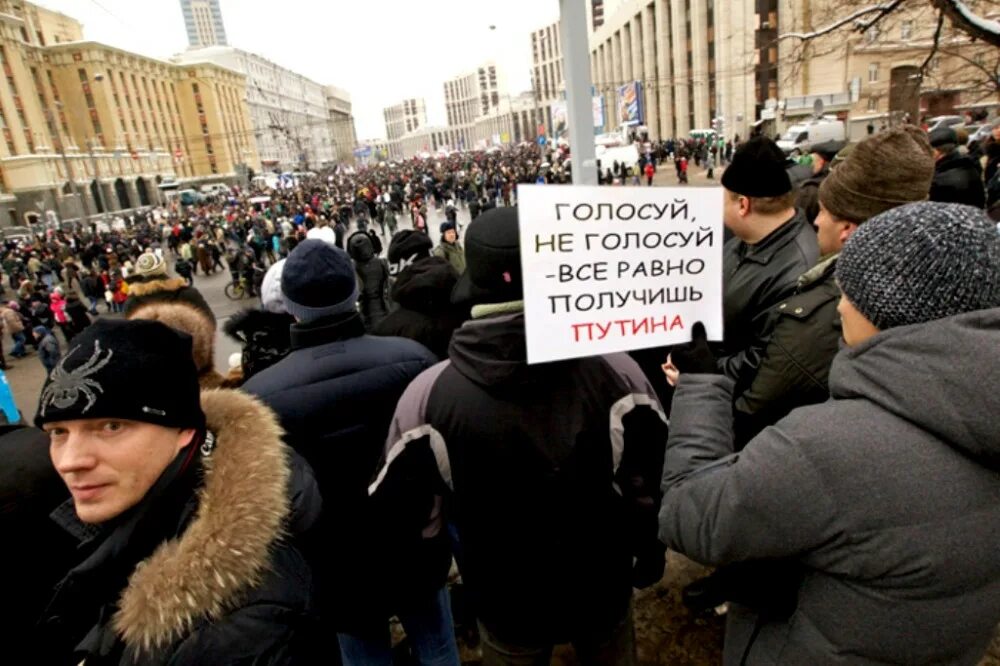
185	509
422	290
335	394
772	247
957	177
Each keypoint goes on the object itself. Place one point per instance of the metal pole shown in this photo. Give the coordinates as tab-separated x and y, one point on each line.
579	108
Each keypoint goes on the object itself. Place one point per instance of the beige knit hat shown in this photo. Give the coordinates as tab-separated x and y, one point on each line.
885	170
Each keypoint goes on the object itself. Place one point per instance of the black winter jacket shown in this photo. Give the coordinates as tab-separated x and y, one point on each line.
958	179
549	471
796	363
756	278
231	588
373	279
425	313
335	393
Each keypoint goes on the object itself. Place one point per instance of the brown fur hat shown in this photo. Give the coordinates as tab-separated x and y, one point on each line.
188	319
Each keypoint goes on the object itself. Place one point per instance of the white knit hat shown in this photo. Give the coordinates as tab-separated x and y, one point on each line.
270	290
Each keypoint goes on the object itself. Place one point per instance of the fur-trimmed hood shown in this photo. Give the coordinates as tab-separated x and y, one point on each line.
224	552
145	288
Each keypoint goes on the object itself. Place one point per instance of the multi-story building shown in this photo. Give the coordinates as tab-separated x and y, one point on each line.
471	96
289	113
429	140
345	138
677	65
88	128
403	118
547	82
203	21
875	77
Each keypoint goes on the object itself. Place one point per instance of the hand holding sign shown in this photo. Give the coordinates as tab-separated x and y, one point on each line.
615	269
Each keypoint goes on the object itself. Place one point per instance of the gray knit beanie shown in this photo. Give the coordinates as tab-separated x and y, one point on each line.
921	262
885	170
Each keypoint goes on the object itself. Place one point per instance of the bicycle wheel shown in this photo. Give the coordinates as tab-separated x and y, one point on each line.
234	291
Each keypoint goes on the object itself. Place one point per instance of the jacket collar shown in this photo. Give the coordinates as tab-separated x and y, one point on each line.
326	330
762	252
223	552
815	274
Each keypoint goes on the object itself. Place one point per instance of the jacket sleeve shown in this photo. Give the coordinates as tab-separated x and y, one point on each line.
639	436
741	366
415	472
721	507
267	634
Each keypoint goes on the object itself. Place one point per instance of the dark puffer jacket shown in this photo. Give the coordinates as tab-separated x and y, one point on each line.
203	570
425	313
373	279
958	179
335	394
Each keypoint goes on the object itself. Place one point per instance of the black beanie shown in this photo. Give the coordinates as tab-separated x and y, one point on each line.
406	247
757	170
138	370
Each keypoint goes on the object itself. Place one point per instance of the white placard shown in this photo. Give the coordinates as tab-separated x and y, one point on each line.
610	269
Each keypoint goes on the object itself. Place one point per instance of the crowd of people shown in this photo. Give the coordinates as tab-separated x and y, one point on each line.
834	456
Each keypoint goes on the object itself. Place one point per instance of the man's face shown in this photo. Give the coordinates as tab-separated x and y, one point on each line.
832	233
110	464
450	236
856	327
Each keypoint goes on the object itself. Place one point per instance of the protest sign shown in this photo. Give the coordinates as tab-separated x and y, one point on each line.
610	269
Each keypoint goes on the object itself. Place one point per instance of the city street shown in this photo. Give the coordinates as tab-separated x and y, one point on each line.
27	375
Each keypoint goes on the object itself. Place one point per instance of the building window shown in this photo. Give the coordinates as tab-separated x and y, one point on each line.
906	30
935	62
873	72
871	35
873	103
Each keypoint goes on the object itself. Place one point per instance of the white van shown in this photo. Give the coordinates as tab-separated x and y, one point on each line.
799	138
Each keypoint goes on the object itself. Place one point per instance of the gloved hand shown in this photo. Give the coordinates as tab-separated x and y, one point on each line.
695	357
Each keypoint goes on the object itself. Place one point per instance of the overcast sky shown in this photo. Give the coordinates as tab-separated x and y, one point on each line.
380	51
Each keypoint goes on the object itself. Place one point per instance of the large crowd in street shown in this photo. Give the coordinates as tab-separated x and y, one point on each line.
383	452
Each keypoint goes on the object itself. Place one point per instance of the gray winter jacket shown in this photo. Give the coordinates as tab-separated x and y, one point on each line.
888	496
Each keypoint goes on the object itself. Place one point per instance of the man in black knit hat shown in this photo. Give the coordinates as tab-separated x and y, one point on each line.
774	244
182	508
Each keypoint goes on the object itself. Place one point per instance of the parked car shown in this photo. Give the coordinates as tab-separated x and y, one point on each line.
16	234
215	190
798	139
937	122
191	197
978	133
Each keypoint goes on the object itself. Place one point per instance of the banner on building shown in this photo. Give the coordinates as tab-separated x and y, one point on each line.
611	269
630	109
597	101
560	116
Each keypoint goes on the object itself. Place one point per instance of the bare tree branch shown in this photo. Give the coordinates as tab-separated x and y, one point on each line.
865	25
881	9
934	45
969	22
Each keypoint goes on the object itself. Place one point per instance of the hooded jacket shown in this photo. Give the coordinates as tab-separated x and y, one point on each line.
548	471
373	279
425	313
958	179
265	338
201	571
453	253
887	496
165	289
183	317
334	394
